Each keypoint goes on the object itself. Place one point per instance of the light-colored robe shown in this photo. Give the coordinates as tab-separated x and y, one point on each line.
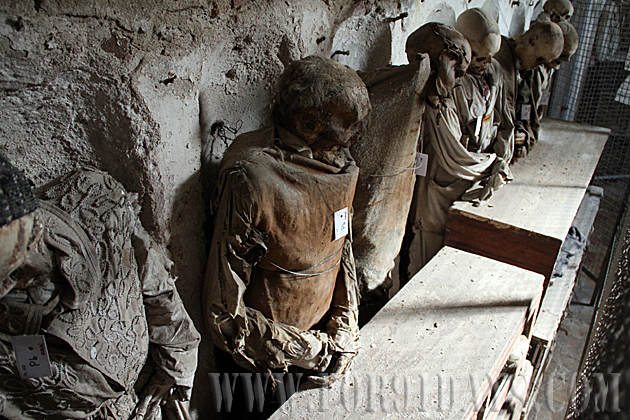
462	141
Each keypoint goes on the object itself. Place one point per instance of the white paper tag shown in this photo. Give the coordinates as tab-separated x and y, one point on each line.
32	356
544	98
341	223
526	111
478	126
422	163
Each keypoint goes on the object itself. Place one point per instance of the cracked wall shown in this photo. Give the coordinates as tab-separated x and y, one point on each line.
148	90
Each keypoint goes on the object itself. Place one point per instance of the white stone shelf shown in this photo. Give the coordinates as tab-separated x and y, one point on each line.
435	349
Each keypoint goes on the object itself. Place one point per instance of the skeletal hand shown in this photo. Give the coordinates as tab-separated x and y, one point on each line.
153	396
330	377
520	138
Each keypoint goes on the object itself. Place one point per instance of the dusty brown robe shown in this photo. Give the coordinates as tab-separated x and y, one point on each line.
273	213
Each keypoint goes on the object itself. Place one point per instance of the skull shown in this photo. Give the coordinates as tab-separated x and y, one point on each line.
570	43
541	44
483	34
448	50
322	102
557	9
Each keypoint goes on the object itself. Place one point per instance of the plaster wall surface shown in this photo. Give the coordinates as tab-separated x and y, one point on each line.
155	91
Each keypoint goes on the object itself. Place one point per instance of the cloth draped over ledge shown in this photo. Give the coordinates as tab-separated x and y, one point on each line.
386	156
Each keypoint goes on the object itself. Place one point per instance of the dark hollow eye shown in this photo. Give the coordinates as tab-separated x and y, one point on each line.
480	59
540	59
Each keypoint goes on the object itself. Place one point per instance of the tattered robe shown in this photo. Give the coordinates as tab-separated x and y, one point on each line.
386	156
541	84
109	302
518	94
528	92
275	268
466	160
484	114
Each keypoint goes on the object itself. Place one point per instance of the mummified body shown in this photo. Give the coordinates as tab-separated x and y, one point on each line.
84	273
468	140
275	267
484	119
541	76
459	155
541	44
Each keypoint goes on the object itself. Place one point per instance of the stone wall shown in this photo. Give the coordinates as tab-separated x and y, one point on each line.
148	90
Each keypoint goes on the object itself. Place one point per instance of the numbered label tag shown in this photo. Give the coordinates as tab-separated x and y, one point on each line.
341	223
422	163
544	98
478	126
32	356
526	111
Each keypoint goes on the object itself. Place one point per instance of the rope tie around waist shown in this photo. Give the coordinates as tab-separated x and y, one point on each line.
301	274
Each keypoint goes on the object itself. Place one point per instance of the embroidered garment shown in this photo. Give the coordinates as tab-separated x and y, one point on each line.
113	302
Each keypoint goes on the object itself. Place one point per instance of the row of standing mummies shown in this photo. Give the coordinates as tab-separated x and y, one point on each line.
490	121
280	291
309	214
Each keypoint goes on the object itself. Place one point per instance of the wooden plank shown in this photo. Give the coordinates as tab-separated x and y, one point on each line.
502	242
435	349
550	182
533	315
557	297
539	367
585	217
542	200
560	290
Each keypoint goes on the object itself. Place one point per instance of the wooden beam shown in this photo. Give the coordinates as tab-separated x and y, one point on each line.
525	222
558	295
502	242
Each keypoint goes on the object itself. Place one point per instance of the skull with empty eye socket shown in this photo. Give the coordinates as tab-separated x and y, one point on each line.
558	9
570	43
448	50
541	44
482	32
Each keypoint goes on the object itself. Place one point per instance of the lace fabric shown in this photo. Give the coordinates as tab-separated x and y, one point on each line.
116	282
